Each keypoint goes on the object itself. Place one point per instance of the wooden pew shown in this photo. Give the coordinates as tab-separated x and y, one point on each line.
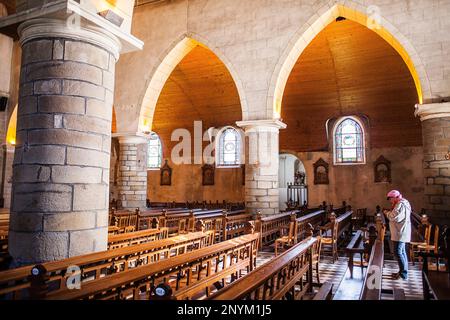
325	292
436	283
277	279
5	258
372	285
315	218
15	283
269	226
174	274
138	237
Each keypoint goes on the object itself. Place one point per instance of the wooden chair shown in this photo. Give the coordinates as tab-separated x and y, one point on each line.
129	229
359	217
431	247
316	258
288	235
413	245
436	283
329	237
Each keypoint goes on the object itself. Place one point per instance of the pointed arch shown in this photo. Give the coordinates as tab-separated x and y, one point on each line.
171	58
12	128
324	16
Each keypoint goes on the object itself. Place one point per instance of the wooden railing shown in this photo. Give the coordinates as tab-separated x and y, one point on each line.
288	275
17	283
175	274
138	237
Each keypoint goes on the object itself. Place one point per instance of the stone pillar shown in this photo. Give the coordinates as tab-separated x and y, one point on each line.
8	175
61	164
132	177
262	160
436	152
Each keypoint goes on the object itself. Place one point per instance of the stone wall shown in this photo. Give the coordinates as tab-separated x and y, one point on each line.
355	184
187	185
436	137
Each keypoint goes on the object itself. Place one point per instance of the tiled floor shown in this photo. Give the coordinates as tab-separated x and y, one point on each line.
412	286
346	288
350	288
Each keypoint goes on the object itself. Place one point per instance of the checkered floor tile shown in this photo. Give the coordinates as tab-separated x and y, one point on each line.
332	272
338	271
412	286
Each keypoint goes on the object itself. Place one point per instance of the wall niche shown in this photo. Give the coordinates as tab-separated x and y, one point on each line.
382	170
321	172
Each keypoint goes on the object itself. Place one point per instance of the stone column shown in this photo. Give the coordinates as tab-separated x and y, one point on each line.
7	179
261	172
132	178
61	164
436	152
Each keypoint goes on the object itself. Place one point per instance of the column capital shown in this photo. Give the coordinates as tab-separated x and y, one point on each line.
131	137
432	111
113	23
261	125
54	28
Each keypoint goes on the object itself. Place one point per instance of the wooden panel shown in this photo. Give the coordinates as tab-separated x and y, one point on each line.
199	88
349	69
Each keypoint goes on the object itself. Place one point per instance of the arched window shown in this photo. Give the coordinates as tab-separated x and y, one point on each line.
349	142
228	150
154	152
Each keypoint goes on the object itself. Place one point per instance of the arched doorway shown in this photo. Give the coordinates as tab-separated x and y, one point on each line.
290	170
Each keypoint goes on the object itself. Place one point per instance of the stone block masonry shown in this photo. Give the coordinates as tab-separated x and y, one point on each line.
132	178
436	154
60	194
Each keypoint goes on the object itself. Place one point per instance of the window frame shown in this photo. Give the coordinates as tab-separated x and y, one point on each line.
218	145
363	142
160	152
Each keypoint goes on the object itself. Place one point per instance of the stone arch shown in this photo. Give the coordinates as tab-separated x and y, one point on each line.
11	130
170	59
113	121
325	15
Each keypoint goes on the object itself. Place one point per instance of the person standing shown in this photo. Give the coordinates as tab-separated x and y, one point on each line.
400	226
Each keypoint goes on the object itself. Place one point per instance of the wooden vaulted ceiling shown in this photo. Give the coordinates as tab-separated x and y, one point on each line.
199	88
348	69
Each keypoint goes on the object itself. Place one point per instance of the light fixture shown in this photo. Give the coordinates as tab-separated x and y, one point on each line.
112	17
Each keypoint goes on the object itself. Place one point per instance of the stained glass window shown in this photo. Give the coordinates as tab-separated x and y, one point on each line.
154	152
349	142
229	148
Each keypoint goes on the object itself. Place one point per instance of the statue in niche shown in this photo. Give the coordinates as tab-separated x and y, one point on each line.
166	174
300	178
208	175
382	170
321	172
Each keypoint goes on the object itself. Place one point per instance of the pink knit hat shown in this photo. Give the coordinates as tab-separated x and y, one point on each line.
394	194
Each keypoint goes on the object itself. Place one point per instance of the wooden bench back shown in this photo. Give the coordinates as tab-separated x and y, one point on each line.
138	237
269	226
15	283
314	218
276	278
372	285
178	272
